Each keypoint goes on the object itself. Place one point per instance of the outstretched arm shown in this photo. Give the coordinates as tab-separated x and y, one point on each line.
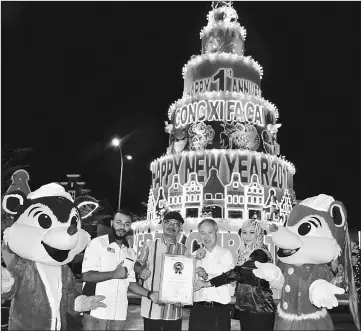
238	272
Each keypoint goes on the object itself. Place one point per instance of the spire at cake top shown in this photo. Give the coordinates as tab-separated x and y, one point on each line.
222	11
223	33
225	16
217	4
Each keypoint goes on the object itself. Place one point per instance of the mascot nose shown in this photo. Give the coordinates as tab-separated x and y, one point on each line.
72	229
273	228
285	238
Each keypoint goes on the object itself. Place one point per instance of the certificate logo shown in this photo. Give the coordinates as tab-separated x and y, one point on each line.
178	267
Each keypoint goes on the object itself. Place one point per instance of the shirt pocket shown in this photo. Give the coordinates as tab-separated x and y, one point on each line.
109	261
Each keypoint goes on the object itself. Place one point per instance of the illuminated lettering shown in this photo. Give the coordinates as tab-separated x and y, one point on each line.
214	113
250	112
201	110
219	110
230	110
184	115
228	240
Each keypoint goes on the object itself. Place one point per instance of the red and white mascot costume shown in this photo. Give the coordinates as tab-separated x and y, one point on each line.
315	235
45	237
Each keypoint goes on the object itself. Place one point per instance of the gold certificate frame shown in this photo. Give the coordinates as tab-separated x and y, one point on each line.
177	279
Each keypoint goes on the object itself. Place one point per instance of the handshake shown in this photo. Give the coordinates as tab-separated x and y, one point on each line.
201	283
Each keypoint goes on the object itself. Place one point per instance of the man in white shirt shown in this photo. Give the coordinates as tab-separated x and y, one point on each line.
107	261
210	311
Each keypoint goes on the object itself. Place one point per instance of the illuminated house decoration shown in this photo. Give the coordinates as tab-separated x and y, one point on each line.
271	207
74	186
254	198
151	206
214	194
235	192
175	195
223	151
192	196
285	206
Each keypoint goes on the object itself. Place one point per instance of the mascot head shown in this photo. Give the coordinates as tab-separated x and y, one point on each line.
47	226
317	233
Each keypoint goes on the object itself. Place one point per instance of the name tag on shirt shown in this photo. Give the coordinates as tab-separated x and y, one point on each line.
112	250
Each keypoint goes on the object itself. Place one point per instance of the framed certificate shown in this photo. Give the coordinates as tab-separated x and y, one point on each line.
176	279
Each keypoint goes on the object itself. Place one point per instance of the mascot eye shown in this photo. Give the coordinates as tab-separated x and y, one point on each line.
74	220
44	221
306	229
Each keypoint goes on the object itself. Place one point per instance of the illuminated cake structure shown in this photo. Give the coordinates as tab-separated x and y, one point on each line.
223	158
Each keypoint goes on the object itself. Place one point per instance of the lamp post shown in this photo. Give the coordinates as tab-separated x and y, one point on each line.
116	142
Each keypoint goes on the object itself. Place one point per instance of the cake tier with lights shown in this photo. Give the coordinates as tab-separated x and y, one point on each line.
222	57
222	105
222	65
223	158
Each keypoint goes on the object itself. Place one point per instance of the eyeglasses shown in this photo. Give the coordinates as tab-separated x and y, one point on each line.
173	224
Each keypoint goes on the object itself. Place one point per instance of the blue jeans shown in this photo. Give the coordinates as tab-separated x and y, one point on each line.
91	323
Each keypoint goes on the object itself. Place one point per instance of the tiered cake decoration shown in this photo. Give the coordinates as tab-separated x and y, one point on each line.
223	158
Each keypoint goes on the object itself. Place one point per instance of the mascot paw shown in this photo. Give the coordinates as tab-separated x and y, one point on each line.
93	302
267	271
7	281
322	294
84	303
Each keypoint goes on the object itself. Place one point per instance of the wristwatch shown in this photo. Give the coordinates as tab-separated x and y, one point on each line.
148	295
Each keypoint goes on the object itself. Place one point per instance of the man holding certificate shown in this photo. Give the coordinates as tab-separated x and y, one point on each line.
158	266
210	311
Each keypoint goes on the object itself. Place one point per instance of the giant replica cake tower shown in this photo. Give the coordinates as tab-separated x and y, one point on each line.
223	158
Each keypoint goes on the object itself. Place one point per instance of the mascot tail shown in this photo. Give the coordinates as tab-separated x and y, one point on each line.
349	279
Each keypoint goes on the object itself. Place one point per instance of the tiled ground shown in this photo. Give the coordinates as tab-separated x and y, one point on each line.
340	316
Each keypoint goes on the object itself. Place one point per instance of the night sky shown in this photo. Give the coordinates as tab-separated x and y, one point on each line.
74	74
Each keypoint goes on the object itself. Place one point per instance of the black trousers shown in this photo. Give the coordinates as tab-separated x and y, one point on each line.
209	318
162	325
256	321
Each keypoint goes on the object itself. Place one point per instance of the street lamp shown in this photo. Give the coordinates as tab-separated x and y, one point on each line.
116	142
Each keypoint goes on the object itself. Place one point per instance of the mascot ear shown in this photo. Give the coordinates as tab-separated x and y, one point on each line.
12	201
338	213
86	206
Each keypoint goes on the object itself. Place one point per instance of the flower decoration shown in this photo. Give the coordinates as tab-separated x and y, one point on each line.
238	135
200	135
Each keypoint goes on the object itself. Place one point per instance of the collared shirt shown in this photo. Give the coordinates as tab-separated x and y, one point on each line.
215	263
151	257
104	254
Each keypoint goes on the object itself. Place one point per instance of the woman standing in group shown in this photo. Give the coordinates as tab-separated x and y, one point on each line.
254	307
